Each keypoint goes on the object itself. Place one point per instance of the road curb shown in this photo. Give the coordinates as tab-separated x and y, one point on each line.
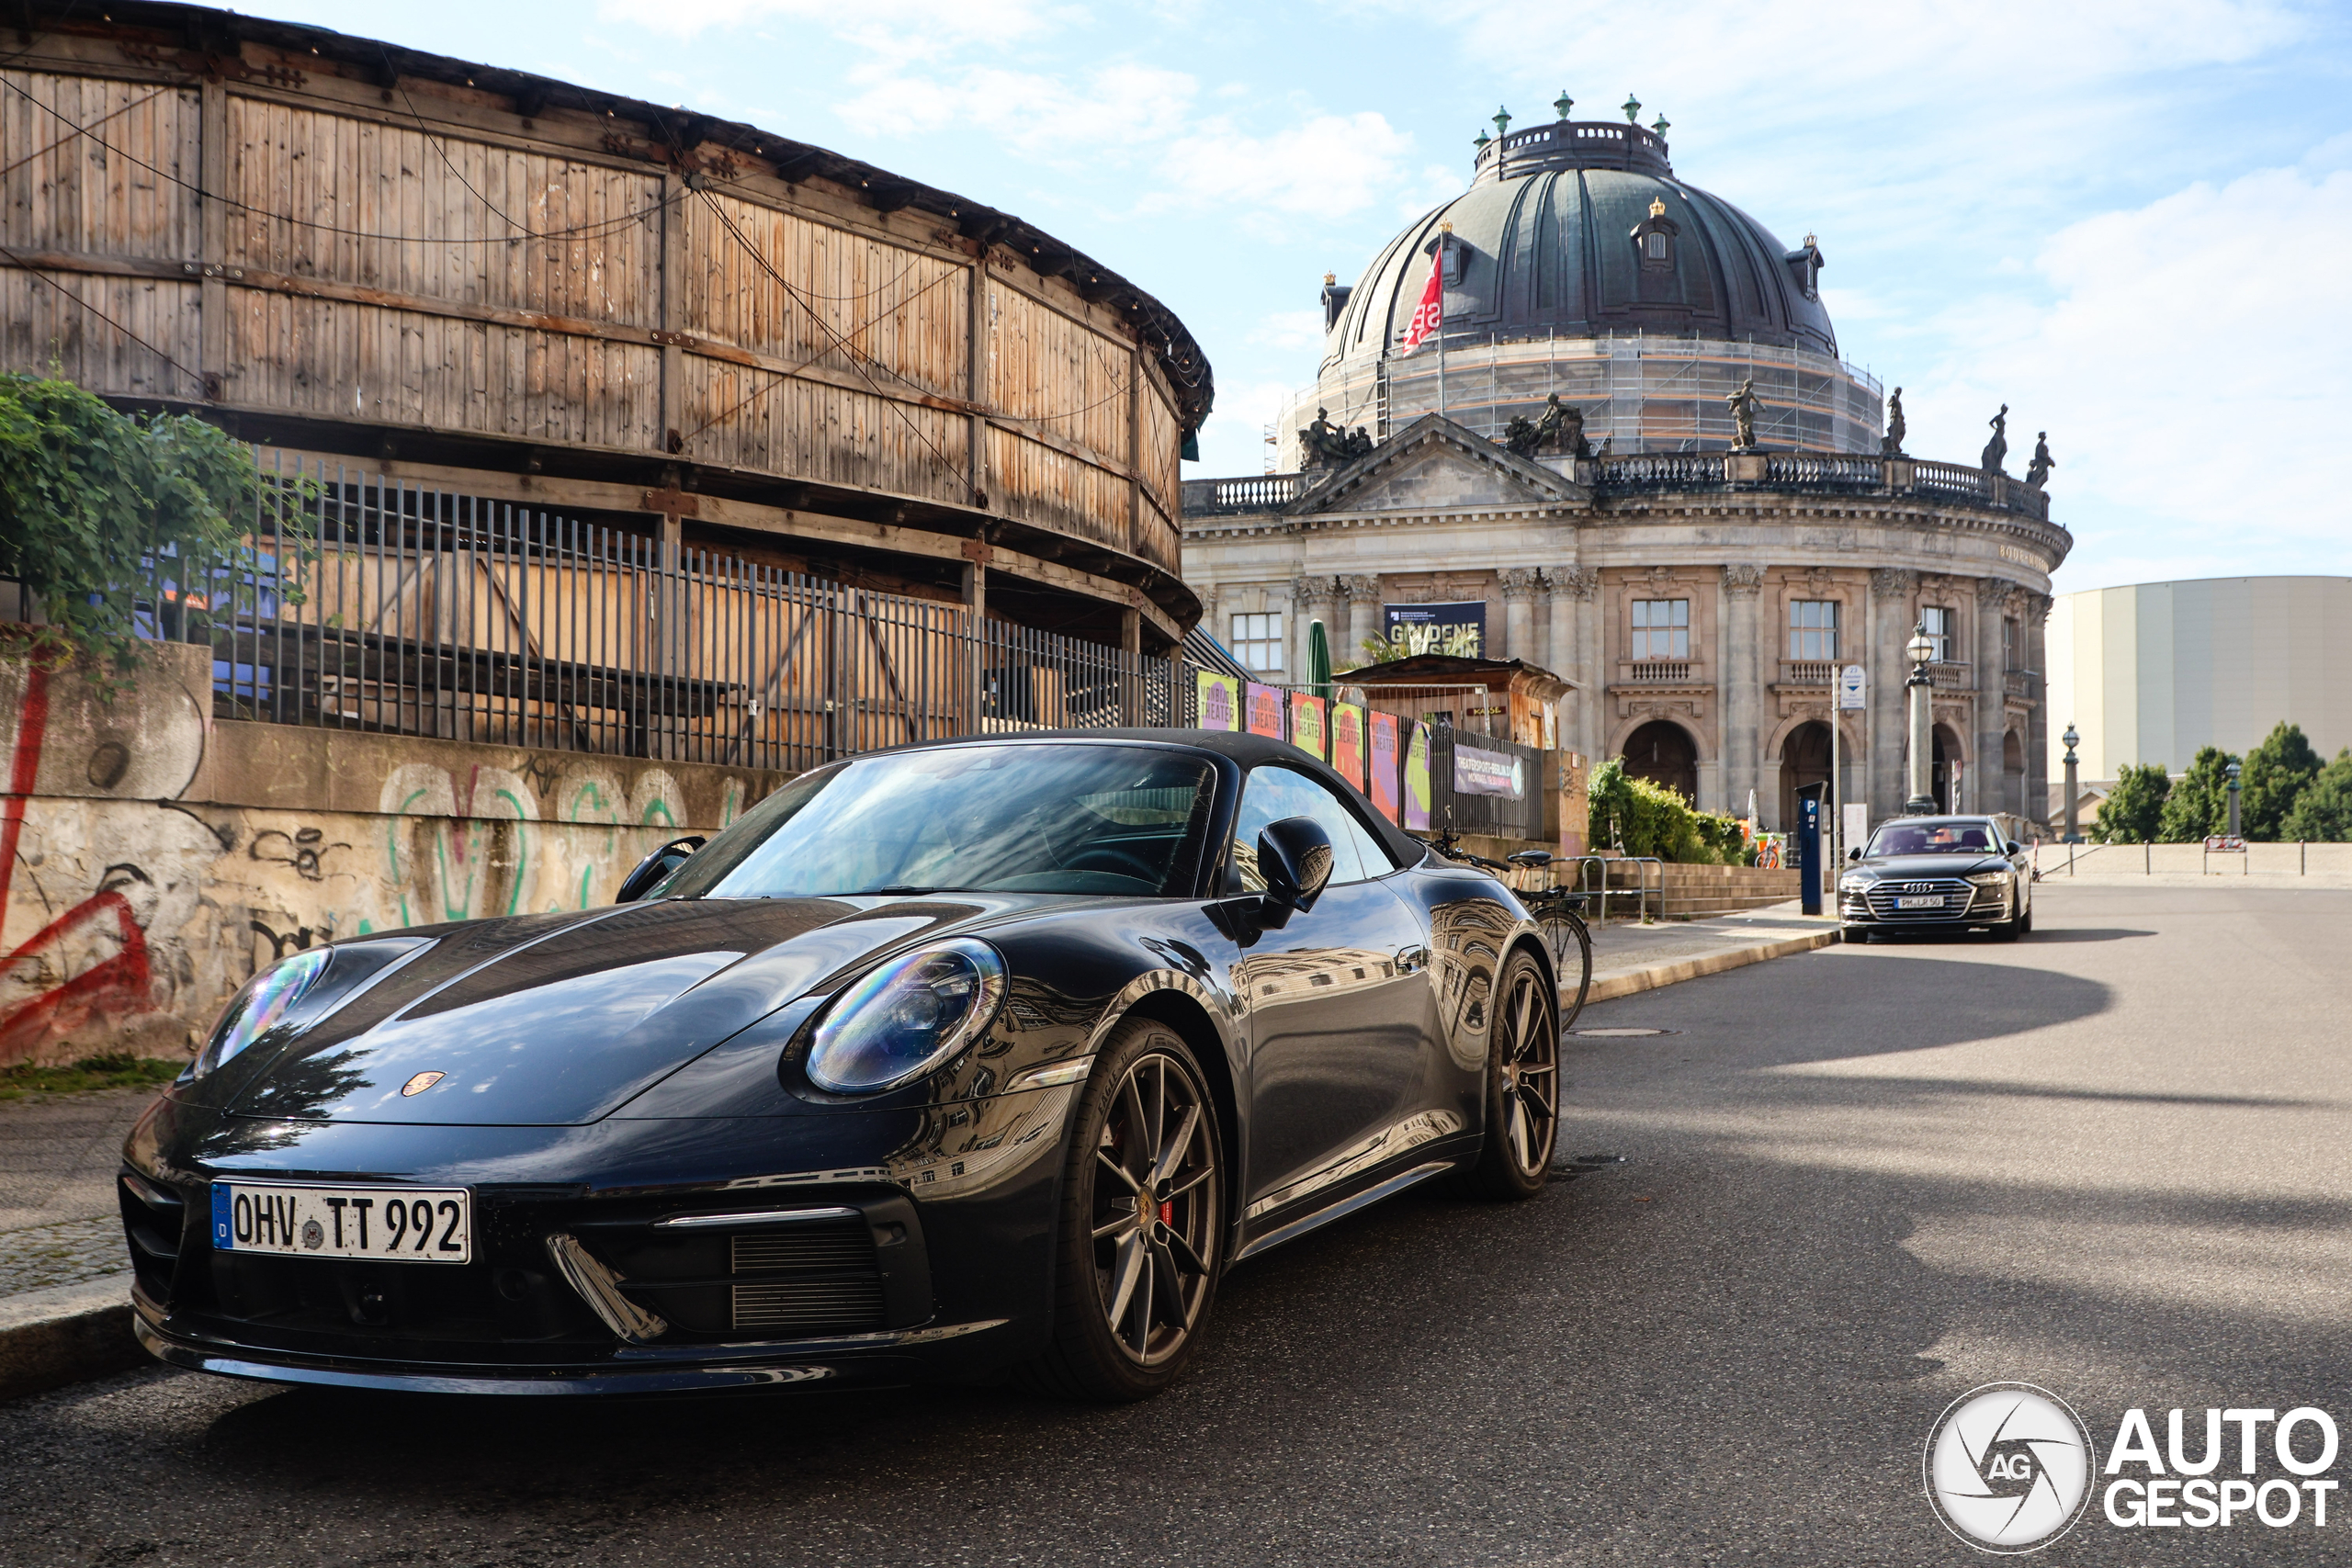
1657	975
66	1334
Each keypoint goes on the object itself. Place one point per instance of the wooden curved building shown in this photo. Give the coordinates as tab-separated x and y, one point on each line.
490	282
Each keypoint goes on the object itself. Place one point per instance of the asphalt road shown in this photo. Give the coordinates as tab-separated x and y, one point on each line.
2111	1160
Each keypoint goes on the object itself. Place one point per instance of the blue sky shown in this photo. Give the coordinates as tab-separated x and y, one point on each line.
2132	223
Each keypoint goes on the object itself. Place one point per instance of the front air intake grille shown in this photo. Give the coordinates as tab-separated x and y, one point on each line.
803	1306
1954	893
848	1245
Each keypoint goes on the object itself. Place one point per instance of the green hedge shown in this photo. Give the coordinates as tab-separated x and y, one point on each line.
1646	819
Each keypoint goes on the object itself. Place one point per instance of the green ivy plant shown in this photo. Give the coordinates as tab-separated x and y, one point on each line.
99	509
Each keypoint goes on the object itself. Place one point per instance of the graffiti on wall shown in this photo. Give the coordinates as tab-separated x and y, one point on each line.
131	909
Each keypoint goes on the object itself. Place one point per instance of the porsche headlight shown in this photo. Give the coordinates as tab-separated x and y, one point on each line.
266	999
906	1018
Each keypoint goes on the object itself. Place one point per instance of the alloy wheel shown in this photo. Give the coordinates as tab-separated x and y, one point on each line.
1529	1049
1155	1208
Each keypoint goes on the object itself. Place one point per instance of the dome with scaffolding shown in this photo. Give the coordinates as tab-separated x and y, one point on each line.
1578	263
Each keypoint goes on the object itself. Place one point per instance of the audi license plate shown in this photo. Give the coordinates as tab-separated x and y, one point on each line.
392	1225
1921	901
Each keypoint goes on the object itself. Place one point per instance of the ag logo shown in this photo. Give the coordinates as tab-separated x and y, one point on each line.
2009	1467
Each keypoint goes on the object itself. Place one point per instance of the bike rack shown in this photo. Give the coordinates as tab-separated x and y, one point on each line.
1600	892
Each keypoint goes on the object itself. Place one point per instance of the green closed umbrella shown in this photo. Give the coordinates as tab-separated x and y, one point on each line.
1318	660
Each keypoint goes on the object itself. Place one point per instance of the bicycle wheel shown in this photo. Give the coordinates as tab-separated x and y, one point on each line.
1571	948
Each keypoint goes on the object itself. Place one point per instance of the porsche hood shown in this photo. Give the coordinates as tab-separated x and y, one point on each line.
560	1021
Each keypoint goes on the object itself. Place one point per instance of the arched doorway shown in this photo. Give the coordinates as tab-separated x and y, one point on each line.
1663	753
1947	751
2012	774
1804	760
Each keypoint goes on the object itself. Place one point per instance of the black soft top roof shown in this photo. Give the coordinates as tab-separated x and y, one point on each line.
1246	750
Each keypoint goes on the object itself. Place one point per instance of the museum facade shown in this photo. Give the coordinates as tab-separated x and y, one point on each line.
1697	547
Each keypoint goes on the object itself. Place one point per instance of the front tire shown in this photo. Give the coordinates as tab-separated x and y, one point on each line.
1522	1086
1142	1224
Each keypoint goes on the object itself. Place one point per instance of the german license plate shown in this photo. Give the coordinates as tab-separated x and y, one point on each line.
1921	901
392	1225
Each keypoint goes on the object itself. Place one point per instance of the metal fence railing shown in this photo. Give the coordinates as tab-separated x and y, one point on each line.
419	612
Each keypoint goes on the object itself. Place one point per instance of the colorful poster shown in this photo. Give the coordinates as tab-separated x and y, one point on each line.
1384	764
1347	742
1417	780
1220	701
1477	770
1262	708
1307	724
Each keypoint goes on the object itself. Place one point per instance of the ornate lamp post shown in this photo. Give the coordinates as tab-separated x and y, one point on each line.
2073	834
2234	799
1921	647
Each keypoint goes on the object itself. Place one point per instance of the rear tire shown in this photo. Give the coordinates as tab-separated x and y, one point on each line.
1522	1086
1570	945
1141	1233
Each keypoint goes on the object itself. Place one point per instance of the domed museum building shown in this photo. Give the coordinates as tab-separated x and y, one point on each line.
1631	455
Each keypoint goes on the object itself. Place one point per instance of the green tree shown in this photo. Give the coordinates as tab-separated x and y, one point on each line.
2133	812
2323	812
1650	819
2199	801
2276	773
97	505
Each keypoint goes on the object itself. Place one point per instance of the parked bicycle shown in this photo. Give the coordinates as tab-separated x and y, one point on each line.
1558	913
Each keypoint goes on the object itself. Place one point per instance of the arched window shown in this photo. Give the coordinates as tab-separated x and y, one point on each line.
1653	239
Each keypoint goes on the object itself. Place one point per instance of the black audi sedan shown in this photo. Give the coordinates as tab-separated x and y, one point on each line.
968	1059
1928	873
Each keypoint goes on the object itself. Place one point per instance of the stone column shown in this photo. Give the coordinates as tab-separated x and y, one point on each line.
1985	765
1363	594
1742	685
1559	645
1891	619
2036	735
1519	612
1310	600
1576	596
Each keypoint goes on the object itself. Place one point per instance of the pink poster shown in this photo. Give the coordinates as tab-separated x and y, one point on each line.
1384	764
1264	706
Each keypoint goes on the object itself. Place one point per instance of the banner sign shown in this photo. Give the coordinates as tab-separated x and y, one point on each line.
1458	630
1262	708
1307	724
1220	701
1480	772
1384	764
1417	779
1347	742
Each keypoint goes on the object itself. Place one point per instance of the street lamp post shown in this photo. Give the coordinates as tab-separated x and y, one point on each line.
2074	834
2234	800
1921	647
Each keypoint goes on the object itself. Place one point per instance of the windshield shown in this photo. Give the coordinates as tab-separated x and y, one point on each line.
1933	839
1010	818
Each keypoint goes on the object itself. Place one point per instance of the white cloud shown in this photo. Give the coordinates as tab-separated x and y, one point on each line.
897	29
2192	363
1289	329
1104	116
1233	440
1329	166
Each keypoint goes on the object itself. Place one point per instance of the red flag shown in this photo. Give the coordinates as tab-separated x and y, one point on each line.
1430	314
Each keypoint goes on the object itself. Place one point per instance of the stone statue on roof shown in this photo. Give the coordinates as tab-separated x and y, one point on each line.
1891	443
1996	451
2038	471
1743	406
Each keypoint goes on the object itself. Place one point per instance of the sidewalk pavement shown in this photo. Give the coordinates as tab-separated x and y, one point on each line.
1628	957
65	1312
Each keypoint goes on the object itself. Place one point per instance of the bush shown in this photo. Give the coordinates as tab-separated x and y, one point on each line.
1646	818
2323	812
2200	802
2134	813
2276	773
94	503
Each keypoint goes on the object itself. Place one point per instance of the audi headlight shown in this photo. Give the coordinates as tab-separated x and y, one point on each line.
1993	878
1855	882
266	1001
906	1018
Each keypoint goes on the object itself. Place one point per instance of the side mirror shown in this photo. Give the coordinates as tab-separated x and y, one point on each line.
1294	857
653	868
1854	851
2016	848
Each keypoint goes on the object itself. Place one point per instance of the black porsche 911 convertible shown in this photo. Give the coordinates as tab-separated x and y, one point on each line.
970	1059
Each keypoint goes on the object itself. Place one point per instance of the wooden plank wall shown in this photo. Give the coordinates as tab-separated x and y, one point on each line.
368	269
